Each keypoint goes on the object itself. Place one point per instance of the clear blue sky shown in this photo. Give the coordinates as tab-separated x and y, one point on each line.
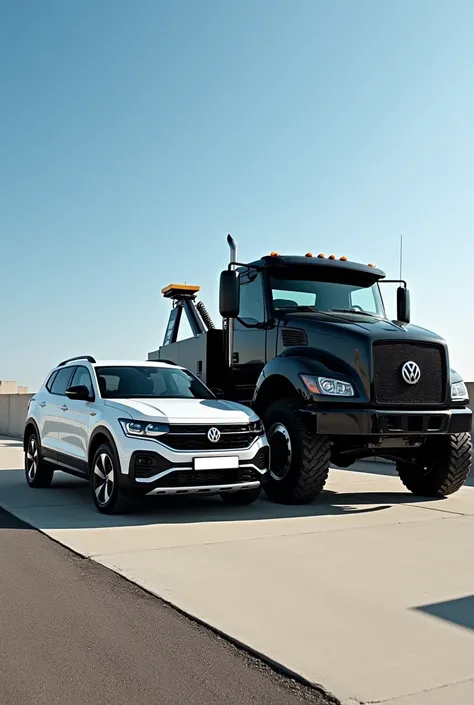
136	134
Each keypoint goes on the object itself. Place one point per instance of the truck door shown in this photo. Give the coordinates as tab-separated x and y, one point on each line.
249	343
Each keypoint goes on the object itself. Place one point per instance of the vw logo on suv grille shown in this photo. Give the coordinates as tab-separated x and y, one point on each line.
411	372
214	435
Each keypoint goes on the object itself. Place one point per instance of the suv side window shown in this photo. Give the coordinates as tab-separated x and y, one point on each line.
50	381
61	381
251	298
82	376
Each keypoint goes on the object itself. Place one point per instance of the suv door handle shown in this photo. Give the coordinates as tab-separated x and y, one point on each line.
42	403
64	407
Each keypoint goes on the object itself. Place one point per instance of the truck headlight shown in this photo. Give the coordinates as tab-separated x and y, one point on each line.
143	429
459	392
328	386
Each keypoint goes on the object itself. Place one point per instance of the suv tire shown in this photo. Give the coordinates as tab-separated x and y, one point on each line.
109	497
444	468
241	497
306	454
38	472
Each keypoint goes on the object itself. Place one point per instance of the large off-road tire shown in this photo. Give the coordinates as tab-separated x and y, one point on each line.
240	498
109	497
299	458
442	468
38	472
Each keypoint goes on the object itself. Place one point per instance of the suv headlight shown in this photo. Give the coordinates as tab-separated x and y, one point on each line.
328	386
143	429
459	391
257	427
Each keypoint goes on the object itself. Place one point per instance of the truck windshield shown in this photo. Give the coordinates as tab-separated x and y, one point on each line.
296	290
129	382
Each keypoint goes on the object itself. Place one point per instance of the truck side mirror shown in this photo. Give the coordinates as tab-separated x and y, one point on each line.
403	305
229	294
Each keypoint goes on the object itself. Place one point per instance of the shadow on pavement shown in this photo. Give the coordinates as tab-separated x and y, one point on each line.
8	521
459	611
6	442
68	504
388	470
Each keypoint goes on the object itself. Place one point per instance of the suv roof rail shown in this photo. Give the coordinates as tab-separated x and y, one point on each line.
167	362
89	358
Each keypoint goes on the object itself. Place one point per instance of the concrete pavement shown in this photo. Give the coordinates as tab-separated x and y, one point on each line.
367	591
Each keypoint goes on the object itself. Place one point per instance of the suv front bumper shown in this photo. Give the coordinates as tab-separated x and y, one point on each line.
155	469
369	422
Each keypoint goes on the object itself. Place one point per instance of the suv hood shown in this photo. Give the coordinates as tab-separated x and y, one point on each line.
188	411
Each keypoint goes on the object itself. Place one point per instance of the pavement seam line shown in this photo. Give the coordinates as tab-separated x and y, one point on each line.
435	509
416	692
245	538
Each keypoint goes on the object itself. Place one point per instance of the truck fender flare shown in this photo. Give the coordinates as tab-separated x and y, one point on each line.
280	378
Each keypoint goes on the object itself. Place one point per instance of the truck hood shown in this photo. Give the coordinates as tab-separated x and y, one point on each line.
358	326
184	411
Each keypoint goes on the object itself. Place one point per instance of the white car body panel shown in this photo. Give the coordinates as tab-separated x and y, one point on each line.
67	427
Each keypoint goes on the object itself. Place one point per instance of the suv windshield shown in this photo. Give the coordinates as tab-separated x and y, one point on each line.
295	290
129	382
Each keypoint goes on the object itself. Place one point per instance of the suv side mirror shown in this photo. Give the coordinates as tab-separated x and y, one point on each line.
79	391
403	305
229	294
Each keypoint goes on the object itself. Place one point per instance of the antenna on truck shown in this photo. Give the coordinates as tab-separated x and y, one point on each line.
401	256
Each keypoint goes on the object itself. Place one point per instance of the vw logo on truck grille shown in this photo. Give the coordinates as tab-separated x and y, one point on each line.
411	372
214	435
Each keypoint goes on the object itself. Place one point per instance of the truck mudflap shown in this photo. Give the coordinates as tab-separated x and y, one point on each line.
355	422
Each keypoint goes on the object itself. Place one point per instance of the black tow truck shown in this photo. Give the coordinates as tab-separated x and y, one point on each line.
306	342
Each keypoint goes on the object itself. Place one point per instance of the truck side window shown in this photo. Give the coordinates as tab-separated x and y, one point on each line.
364	299
251	299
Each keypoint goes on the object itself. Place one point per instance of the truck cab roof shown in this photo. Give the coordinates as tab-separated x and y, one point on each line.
277	260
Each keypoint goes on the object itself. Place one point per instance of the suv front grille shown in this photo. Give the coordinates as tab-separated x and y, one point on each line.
389	385
191	438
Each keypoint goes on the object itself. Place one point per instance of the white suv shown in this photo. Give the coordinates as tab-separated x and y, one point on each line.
142	428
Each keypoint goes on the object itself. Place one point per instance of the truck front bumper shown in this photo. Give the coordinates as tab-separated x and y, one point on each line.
365	422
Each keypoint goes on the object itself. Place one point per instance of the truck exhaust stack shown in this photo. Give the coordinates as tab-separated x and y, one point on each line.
230	321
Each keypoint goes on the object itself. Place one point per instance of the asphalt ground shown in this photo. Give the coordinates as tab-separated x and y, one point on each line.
73	632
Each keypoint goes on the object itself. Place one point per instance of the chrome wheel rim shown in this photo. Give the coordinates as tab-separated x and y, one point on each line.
103	478
32	459
280	451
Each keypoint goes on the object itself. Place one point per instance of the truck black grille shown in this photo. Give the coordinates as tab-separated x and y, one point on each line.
192	478
195	437
389	385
